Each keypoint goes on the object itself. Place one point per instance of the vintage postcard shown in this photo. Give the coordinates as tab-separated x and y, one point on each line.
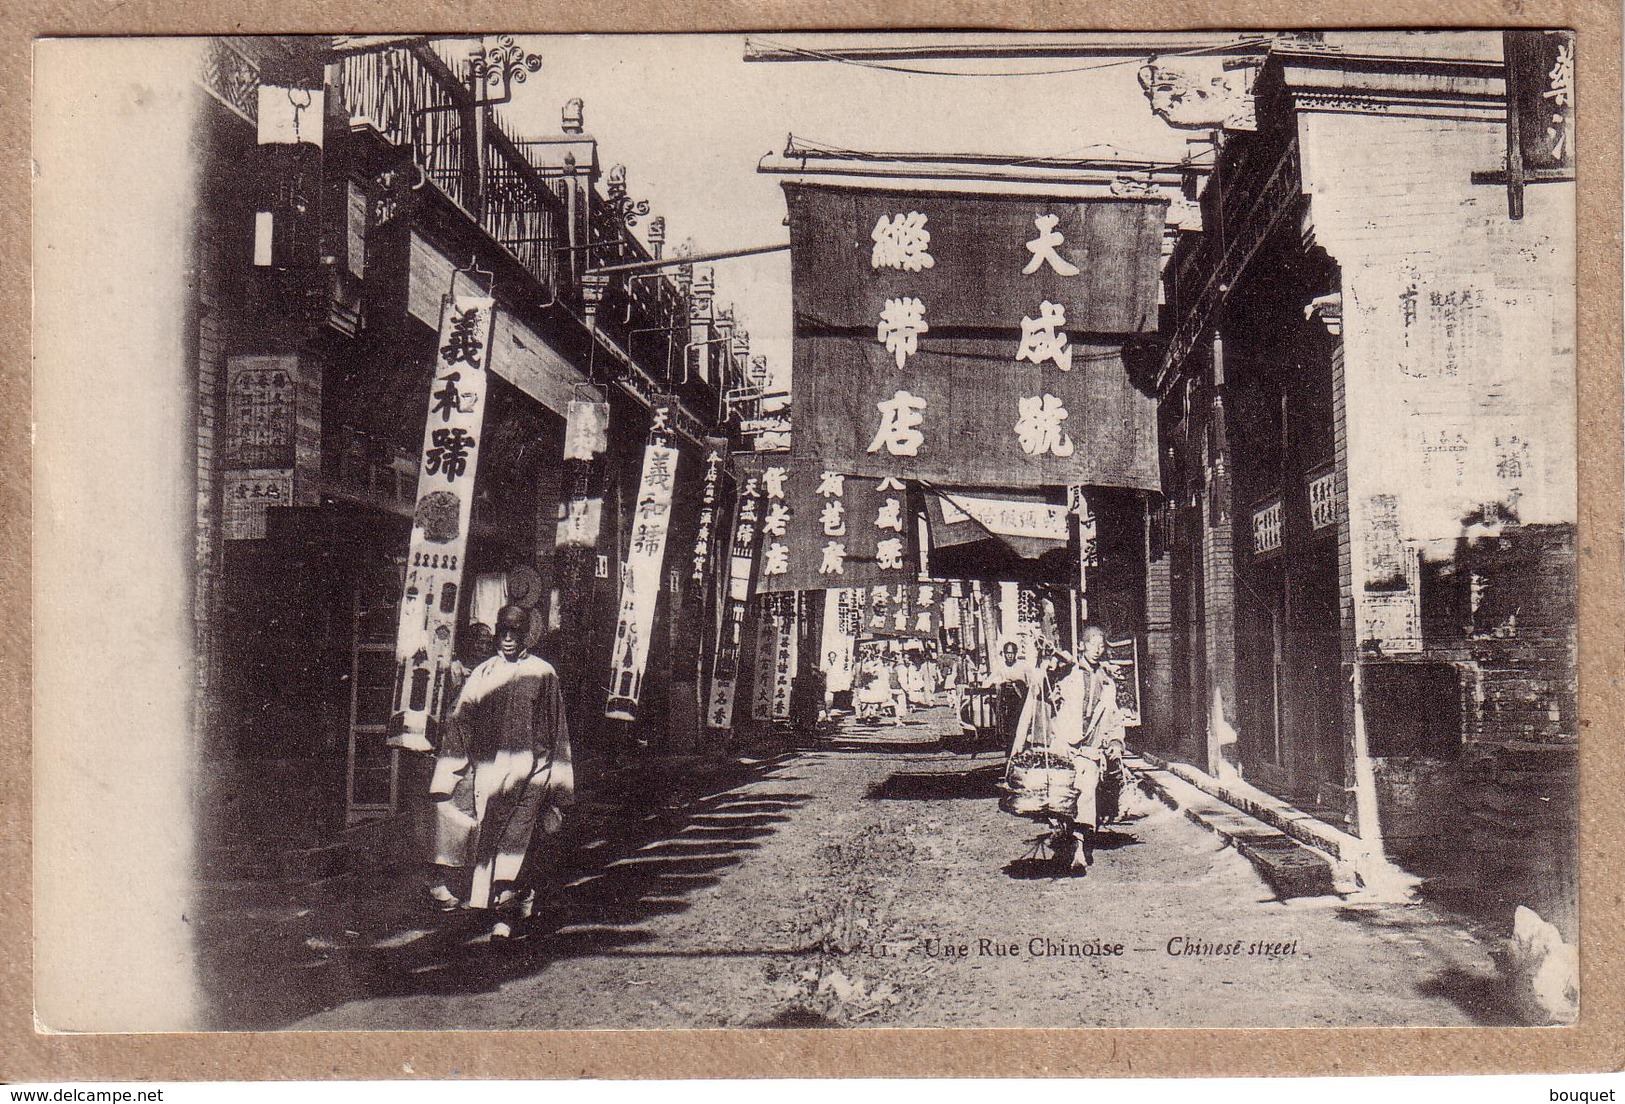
790	530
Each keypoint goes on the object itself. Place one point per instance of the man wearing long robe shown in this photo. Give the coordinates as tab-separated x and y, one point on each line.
506	761
1016	681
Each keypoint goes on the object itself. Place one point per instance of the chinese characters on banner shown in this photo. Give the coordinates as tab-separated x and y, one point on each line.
1540	91
1388	602
701	566
770	615
705	537
822	529
784	653
719	708
640	582
902	611
426	636
260	414
973	339
247	495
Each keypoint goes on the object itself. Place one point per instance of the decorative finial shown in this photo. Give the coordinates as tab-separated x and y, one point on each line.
502	66
625	207
574	117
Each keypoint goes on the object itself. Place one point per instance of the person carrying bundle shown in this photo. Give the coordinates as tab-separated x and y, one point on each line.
1088	727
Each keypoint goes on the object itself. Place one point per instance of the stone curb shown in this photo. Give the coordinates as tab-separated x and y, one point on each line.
1302	827
1290	867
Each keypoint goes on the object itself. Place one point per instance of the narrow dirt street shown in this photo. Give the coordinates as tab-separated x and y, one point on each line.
874	881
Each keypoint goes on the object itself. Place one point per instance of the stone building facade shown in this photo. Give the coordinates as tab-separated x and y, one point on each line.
343	181
1368	433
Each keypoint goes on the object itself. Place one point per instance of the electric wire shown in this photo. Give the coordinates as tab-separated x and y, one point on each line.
918	71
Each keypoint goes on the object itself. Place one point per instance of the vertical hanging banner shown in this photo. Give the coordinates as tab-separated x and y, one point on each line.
928	611
426	637
1085	535
1540	95
764	670
710	493
822	529
719	708
1540	100
775	658
784	655
893	612
640	581
702	566
581	511
835	650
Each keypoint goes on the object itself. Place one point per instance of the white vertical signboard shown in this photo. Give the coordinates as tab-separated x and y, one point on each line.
426	637
640	582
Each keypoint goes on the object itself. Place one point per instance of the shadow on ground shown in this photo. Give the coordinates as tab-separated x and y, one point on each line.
977	783
1480	988
367	936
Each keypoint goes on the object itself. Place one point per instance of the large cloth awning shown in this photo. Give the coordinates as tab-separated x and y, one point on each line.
968	338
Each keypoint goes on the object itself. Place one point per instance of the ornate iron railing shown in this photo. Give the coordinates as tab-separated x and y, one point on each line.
413	104
418	97
230	77
520	210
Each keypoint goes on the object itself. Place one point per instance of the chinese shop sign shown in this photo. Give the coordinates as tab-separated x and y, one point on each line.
719	708
426	637
775	657
973	338
1540	96
822	529
640	581
261	441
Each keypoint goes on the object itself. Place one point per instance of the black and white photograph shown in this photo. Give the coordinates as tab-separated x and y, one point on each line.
805	530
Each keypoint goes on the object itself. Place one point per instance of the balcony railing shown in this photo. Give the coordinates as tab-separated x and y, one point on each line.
417	99
413	104
520	211
230	77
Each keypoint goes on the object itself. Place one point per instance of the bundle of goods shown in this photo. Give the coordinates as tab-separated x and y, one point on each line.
1038	784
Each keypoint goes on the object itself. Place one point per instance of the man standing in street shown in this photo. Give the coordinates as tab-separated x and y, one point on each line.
1014	679
509	750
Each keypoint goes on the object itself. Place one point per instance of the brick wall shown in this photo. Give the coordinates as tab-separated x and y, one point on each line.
1219	626
1457	436
1157	675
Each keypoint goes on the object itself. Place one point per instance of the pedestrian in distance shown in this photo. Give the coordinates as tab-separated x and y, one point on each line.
1013	678
508	759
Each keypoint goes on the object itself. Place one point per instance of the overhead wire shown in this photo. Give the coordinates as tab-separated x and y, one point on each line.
911	70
